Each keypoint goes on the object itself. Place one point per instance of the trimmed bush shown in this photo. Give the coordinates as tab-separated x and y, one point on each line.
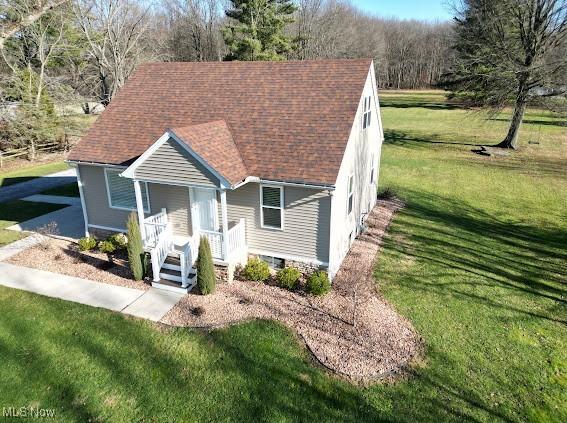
87	243
206	279
106	246
288	277
256	270
135	247
120	241
318	283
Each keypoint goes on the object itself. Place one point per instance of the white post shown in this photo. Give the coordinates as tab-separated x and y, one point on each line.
224	224
140	208
83	203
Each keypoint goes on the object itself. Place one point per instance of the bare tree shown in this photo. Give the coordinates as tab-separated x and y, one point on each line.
507	50
15	16
194	27
114	31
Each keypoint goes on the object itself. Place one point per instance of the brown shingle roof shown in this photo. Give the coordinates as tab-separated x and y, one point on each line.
213	142
289	120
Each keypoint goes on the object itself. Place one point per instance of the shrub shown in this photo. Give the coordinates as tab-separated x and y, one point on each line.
387	194
87	243
256	270
318	283
120	241
288	277
206	279
106	247
135	247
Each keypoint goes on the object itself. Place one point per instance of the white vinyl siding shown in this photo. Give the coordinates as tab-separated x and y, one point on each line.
372	169
121	193
271	198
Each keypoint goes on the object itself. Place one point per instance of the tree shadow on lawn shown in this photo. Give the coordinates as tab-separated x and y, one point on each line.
405	139
249	372
411	104
559	123
496	254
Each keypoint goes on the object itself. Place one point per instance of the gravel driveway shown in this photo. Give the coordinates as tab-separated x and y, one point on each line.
382	342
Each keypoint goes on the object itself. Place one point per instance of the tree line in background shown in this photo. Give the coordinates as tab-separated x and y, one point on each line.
58	53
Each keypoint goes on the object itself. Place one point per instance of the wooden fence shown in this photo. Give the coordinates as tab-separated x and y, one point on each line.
31	150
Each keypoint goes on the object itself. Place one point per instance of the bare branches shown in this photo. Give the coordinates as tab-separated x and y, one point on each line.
24	14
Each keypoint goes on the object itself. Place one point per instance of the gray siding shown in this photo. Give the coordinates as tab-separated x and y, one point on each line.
175	200
96	199
171	163
306	221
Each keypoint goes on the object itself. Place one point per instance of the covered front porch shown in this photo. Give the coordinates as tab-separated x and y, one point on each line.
173	250
189	170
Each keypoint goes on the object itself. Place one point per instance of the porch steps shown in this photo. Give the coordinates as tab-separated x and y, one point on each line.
170	276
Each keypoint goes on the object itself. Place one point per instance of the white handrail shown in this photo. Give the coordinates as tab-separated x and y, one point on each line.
154	226
236	237
215	241
159	253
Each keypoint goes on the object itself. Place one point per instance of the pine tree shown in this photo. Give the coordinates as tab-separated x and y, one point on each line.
258	33
206	280
135	247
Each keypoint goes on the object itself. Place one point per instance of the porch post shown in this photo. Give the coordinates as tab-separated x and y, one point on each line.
224	224
140	208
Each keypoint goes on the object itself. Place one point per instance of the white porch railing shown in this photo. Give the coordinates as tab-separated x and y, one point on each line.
154	226
236	238
215	240
159	253
187	259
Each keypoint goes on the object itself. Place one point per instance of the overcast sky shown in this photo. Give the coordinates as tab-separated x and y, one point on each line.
408	9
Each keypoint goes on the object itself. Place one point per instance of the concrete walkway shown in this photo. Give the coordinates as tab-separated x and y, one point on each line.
37	185
152	304
16	247
70	223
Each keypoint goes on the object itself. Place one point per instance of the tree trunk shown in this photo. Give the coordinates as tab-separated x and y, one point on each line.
511	140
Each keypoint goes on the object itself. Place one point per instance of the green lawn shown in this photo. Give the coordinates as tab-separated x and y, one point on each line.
31	172
69	190
17	211
477	261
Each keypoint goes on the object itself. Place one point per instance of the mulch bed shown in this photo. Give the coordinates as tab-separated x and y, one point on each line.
381	343
64	257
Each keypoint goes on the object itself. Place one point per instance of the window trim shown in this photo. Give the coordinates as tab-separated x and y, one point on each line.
270	261
350	194
366	112
281	208
109	198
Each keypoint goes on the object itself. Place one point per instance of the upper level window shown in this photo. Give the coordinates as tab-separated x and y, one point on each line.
121	193
366	113
271	199
350	194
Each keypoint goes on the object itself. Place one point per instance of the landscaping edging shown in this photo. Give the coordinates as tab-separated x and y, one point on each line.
381	345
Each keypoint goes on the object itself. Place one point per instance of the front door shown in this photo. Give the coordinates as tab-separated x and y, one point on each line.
204	209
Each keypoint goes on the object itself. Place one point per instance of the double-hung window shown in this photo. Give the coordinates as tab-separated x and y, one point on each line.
366	113
121	194
272	206
350	194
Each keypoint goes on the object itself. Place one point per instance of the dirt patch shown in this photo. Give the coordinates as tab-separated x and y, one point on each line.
364	343
64	257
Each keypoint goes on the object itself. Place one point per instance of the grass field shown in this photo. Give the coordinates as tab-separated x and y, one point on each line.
477	261
30	172
17	211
